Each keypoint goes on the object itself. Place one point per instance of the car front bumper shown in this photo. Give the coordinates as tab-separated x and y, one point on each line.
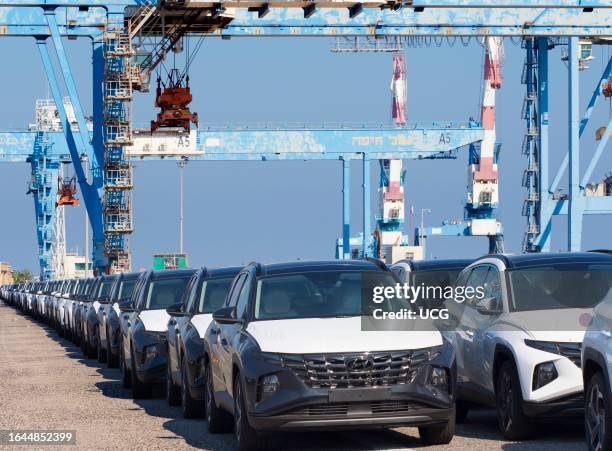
567	406
395	412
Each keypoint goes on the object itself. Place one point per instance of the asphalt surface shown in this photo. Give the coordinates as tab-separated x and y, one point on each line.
45	384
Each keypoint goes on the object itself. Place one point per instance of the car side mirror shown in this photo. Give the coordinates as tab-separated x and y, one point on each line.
176	310
126	306
488	306
226	315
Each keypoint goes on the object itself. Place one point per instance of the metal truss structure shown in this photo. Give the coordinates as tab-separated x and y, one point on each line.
111	24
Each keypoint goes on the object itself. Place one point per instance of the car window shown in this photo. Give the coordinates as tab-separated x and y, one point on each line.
557	286
492	287
104	288
401	273
235	290
126	288
475	282
323	294
213	295
139	294
243	299
190	294
162	293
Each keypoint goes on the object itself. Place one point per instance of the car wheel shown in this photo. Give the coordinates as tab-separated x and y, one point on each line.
111	360
512	421
100	351
173	395
598	415
192	408
246	437
462	408
126	378
439	434
140	390
218	421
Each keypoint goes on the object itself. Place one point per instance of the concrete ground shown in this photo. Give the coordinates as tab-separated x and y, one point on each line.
46	383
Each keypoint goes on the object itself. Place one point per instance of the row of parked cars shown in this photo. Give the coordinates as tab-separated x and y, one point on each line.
281	347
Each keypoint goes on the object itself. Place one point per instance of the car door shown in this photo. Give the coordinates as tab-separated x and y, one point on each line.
176	323
219	346
128	317
479	356
230	334
467	325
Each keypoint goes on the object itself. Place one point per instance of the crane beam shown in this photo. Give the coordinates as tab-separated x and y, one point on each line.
523	19
419	142
410	4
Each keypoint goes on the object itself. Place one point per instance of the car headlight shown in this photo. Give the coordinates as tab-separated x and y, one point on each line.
543	374
547	346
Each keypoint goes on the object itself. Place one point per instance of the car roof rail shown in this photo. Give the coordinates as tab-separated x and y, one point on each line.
601	251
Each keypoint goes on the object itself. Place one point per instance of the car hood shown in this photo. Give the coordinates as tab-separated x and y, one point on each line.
154	320
564	325
201	322
327	335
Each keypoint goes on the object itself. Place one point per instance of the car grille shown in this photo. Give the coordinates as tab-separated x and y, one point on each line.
372	408
571	351
356	370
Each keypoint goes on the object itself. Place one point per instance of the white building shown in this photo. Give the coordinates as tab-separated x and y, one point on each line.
74	266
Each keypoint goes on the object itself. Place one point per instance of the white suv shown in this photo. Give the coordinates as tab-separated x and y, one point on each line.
518	341
596	370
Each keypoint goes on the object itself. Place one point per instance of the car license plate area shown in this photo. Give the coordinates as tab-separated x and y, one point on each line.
359	394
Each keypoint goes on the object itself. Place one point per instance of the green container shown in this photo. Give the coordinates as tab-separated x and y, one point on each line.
169	261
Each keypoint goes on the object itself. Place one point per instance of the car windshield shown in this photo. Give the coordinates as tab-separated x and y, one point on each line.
559	286
436	281
104	288
125	289
320	294
213	294
165	292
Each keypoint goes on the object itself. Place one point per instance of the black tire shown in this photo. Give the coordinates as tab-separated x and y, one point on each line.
140	390
100	351
219	422
512	421
126	377
598	414
173	392
246	437
192	408
439	434
111	359
462	409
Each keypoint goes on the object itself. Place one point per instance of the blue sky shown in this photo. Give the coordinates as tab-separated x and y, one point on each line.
236	212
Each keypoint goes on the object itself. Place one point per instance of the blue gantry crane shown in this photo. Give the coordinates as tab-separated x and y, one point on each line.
122	63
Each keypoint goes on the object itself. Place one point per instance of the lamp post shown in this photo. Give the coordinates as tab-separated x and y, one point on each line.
181	165
422	230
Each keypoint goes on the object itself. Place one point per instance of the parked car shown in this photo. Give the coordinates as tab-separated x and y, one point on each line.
144	323
92	304
518	345
108	317
596	372
69	301
82	304
189	319
286	352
